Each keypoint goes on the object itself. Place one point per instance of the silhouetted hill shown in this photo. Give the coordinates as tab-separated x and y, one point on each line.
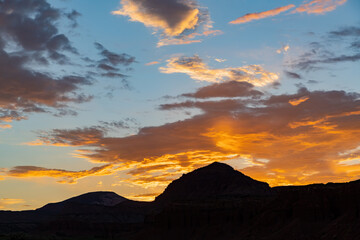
107	199
214	181
213	202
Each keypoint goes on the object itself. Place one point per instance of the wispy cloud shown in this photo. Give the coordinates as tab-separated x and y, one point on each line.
198	70
260	15
152	63
111	61
319	6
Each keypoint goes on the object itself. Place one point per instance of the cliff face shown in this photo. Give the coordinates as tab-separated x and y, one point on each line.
214	202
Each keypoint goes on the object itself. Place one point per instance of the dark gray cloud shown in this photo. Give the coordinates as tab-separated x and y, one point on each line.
113	58
31	26
29	35
226	89
127	123
346	32
109	65
312	81
72	16
313	64
292	75
355	44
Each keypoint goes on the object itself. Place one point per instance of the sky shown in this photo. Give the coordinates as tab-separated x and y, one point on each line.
128	95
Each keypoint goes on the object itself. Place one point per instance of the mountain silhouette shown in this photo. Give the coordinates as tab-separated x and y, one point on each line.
212	202
217	180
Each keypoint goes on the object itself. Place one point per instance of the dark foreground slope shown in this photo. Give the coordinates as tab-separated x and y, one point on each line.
320	211
214	202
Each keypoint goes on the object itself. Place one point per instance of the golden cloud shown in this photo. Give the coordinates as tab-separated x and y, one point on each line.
178	21
161	15
198	70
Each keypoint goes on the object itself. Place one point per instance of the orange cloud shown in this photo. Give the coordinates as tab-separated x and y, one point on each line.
260	15
198	70
5	126
298	101
319	6
265	136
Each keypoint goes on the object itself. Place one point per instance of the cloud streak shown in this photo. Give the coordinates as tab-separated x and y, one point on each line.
319	6
260	15
64	175
309	7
